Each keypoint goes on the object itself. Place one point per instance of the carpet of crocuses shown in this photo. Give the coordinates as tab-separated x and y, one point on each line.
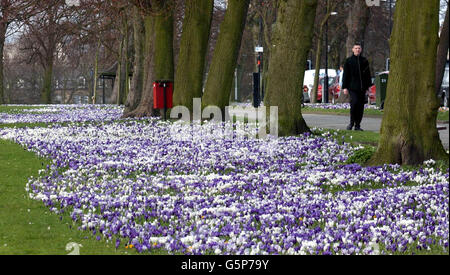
186	189
59	113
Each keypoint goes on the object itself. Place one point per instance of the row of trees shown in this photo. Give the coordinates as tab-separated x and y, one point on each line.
93	35
171	40
55	40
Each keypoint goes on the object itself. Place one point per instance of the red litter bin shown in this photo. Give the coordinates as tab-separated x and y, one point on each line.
163	95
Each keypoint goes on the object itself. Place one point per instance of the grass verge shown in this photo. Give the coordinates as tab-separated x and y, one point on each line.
441	117
27	226
353	137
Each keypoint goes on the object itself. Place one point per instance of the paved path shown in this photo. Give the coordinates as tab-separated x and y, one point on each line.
368	124
335	121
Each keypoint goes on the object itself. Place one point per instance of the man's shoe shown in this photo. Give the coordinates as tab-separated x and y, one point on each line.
349	127
358	129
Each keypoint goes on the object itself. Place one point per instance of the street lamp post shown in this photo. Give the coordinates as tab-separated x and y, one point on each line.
325	86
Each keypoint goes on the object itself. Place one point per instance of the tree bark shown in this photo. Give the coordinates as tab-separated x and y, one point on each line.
313	97
408	133
121	82
126	62
292	39
163	56
2	44
97	50
357	21
314	91
442	54
46	92
193	49
120	79
221	72
137	82
145	107
164	63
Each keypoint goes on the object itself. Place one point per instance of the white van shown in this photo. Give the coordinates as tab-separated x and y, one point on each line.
308	81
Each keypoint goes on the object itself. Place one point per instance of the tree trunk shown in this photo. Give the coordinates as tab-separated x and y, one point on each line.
145	107
119	81
408	133
357	21
442	54
126	61
137	82
164	59
292	39
164	63
269	19
221	72
313	95
121	85
46	92
193	49
97	50
2	43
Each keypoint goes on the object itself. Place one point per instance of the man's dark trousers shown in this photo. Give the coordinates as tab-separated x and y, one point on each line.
356	107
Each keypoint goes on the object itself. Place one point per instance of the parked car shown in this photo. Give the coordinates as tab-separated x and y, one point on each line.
372	96
333	89
308	81
443	94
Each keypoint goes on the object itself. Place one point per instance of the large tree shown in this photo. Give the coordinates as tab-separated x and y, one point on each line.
408	131
356	22
121	85
193	49
330	8
442	53
137	82
221	71
292	39
46	33
158	51
12	12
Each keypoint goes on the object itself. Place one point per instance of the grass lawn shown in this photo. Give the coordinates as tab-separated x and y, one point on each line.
16	109
353	137
442	116
27	226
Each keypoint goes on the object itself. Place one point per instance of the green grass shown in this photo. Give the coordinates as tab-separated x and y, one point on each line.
23	125
18	109
353	137
27	226
442	116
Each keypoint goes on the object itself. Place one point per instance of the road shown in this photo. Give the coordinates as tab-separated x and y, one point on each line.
335	121
368	124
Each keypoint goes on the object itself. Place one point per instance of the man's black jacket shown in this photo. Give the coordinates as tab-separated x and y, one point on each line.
356	76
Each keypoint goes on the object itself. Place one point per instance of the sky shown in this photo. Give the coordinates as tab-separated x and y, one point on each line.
442	11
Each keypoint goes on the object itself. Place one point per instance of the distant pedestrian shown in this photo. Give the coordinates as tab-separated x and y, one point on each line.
340	75
356	82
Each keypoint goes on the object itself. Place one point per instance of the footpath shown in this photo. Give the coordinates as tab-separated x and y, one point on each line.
368	124
339	121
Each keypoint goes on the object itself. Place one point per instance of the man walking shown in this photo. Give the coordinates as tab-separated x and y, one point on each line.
356	81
